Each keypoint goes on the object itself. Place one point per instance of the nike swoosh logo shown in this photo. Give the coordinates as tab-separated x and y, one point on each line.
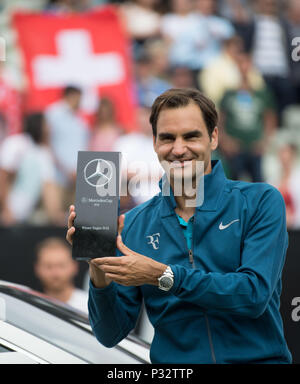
221	226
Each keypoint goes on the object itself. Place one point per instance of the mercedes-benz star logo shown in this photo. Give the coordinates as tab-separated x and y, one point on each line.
98	172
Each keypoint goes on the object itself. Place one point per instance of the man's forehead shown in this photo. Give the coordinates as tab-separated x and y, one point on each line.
179	121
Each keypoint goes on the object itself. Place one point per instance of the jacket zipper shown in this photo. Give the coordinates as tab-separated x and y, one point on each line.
191	258
192	262
211	346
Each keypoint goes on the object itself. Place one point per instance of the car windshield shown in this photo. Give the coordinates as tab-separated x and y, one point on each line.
59	326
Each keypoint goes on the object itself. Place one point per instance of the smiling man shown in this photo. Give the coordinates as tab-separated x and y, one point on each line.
210	274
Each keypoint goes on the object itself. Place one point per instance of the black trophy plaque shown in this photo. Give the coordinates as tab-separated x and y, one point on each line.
96	205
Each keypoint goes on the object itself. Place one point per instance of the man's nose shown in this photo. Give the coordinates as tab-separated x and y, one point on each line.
179	147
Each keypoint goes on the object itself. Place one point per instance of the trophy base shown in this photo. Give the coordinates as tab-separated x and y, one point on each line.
90	244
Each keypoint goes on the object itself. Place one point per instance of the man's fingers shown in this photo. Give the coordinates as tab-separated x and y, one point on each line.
71	219
70	234
116	269
107	261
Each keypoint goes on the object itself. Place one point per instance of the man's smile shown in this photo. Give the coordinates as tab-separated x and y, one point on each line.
180	163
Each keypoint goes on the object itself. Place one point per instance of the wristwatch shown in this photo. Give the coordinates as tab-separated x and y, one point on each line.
166	280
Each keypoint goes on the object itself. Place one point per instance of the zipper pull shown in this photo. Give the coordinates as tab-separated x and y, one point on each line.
191	257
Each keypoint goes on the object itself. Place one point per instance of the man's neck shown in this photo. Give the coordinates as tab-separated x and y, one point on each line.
184	206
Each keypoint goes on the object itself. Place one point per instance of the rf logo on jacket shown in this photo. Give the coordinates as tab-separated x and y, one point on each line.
154	240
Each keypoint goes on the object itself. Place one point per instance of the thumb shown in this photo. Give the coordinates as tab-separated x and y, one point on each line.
121	224
122	247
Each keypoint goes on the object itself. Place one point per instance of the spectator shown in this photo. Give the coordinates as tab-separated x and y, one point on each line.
240	13
3	128
27	174
142	21
10	103
139	160
223	73
61	6
181	77
175	22
288	183
270	47
157	50
56	271
106	129
68	135
200	42
148	85
234	9
249	122
293	31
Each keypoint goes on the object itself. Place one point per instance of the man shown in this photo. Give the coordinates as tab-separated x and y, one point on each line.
68	135
209	275
27	176
56	271
249	120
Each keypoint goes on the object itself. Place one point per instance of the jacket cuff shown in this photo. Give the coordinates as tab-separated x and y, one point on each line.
177	277
112	287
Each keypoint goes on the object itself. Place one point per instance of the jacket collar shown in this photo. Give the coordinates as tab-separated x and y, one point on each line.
214	184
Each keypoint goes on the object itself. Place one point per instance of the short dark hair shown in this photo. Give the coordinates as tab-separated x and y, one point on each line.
181	97
33	126
69	89
51	242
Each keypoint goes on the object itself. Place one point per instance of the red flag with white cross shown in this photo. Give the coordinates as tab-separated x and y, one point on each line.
89	50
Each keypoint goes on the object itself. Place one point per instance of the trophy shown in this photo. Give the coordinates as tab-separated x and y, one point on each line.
96	204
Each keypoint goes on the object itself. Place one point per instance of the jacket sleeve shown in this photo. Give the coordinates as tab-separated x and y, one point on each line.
248	290
113	312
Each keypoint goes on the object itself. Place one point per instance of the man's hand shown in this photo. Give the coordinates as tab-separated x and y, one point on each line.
132	269
97	276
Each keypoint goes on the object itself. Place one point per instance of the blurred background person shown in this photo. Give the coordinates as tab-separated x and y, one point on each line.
142	21
148	84
27	175
10	102
61	6
157	49
292	24
270	47
56	270
201	41
69	134
3	128
181	77
248	121
240	14
287	180
177	22
106	129
223	73
139	159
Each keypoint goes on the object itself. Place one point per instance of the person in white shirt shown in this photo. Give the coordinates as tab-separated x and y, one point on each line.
56	270
68	134
140	166
27	175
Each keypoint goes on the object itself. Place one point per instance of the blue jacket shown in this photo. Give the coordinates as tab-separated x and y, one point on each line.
224	304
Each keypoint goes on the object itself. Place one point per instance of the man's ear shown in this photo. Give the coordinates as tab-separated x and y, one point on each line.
214	139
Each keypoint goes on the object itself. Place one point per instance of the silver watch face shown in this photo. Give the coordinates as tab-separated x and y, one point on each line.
166	282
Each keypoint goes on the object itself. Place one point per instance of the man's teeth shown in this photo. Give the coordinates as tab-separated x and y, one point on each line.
179	164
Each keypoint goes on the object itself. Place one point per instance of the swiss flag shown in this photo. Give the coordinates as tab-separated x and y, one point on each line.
90	50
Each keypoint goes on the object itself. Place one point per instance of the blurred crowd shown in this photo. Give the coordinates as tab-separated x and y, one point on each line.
240	53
